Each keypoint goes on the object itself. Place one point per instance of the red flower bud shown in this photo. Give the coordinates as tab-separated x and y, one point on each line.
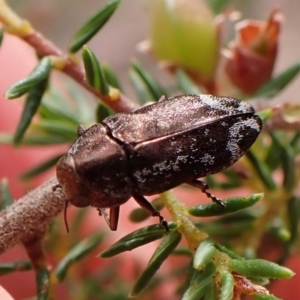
250	60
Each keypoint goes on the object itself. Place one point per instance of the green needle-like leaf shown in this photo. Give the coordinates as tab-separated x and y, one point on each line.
93	71
200	283
46	165
93	25
265	114
204	254
249	214
288	162
32	103
262	171
15	267
227	285
34	139
141	90
165	248
186	83
39	75
6	198
230	253
136	239
260	268
1	36
56	108
78	252
265	297
103	111
210	291
111	77
218	230
182	251
218	6
230	205
66	130
152	85
277	84
293	209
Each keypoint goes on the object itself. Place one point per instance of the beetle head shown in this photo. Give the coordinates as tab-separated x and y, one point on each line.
69	180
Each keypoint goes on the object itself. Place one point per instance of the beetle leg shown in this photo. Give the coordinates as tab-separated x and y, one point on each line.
65	216
113	218
144	203
203	186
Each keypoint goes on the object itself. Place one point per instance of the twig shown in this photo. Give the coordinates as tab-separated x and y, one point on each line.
30	216
69	65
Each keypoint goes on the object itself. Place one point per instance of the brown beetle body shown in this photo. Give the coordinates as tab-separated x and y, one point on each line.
91	161
154	149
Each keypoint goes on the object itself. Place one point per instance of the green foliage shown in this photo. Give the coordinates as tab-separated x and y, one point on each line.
1	36
93	25
15	266
38	75
150	84
165	248
204	254
218	6
259	268
111	77
200	284
32	103
6	198
93	71
81	250
278	83
230	205
186	84
227	282
136	239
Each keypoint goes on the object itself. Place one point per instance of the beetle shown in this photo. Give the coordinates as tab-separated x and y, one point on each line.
155	148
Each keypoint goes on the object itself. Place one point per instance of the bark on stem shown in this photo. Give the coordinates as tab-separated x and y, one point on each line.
45	48
30	216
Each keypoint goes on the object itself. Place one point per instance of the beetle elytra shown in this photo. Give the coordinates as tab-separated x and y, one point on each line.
155	148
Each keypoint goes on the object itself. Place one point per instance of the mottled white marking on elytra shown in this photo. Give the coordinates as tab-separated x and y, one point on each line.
225	104
207	159
173	116
252	123
245	107
235	136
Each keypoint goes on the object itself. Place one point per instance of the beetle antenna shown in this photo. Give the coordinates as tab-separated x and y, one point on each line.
65	216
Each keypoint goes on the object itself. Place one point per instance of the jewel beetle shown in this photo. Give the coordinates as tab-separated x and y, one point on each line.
155	148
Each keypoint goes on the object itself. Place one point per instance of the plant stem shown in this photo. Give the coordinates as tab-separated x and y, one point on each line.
68	64
177	209
30	216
